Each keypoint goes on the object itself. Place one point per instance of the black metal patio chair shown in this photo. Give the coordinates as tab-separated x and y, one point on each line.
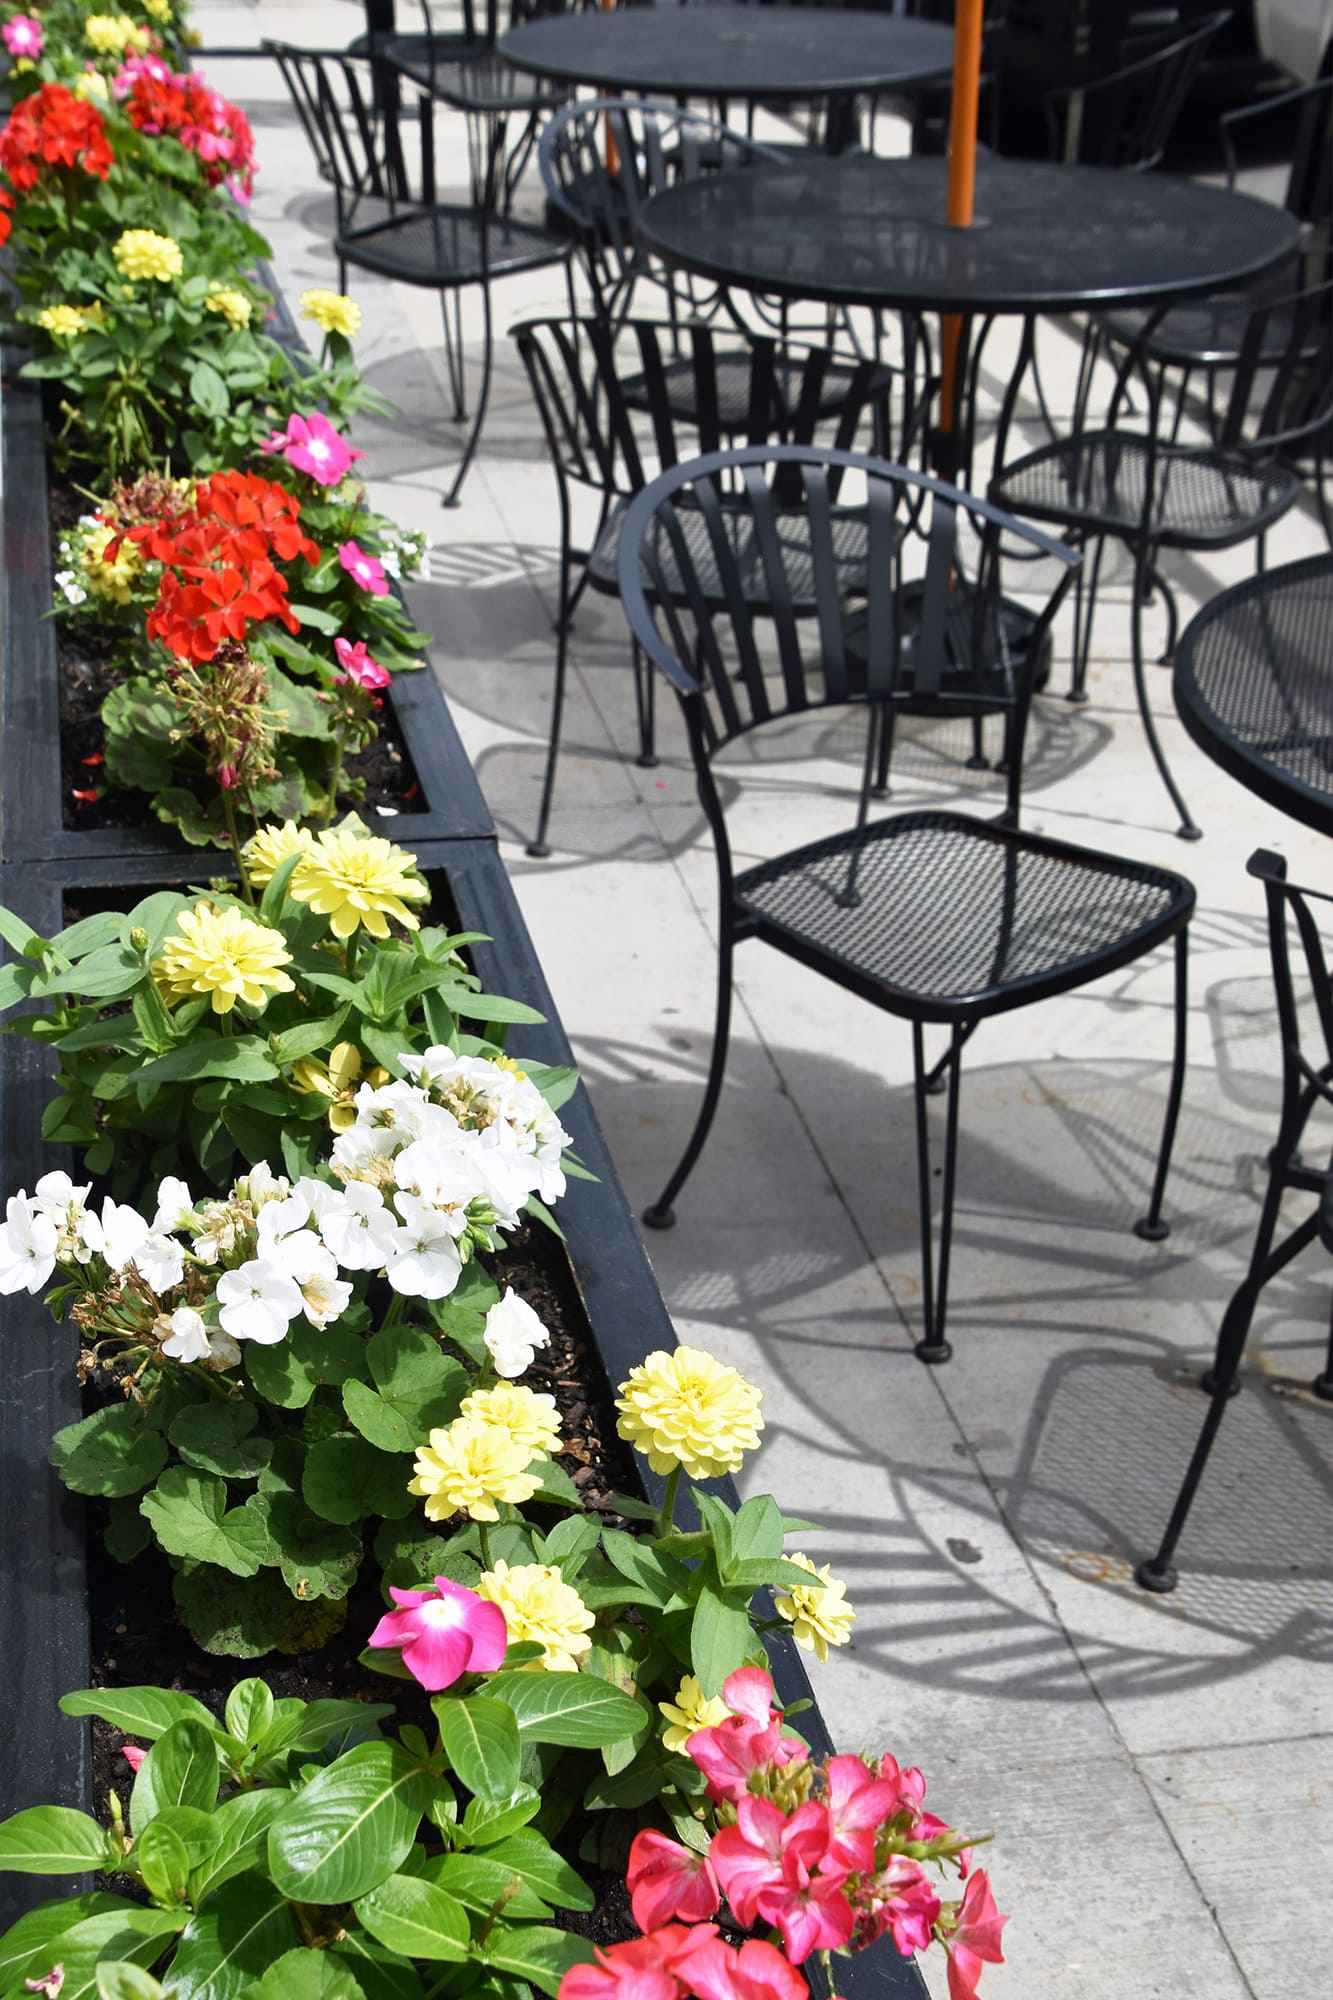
936	916
445	247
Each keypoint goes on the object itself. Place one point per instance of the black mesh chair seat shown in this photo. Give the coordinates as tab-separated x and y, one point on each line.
449	244
944	917
1200	498
734	381
747	561
470	77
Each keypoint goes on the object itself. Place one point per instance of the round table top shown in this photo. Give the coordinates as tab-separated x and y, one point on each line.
1254	686
801	53
868	231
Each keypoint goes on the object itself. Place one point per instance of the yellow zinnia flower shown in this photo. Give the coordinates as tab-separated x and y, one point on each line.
333	311
233	305
686	1409
338	1079
64	319
266	850
529	1419
818	1613
111	580
112	34
91	84
354	878
159	9
142	253
692	1709
539	1605
224	954
467	1468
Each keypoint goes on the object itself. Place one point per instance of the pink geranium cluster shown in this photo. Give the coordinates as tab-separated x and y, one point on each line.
215	131
831	1856
311	445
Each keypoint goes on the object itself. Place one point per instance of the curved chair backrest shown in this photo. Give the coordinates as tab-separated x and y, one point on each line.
1282	388
342	117
698	393
1308	113
603	158
783	626
1127	118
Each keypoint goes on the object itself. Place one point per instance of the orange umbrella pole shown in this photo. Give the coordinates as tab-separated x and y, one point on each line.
612	157
968	16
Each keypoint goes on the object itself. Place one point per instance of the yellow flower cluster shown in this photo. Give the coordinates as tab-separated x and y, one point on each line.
334	312
142	253
159	9
70	320
352	877
530	1419
540	1606
224	954
818	1613
487	1454
92	85
114	34
692	1709
233	305
687	1411
110	580
339	1079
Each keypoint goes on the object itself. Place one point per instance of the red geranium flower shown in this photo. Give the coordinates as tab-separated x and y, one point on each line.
54	128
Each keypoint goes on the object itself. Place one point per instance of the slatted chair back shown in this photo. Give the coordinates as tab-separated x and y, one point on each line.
603	158
343	119
784	626
1307	114
1281	394
1127	118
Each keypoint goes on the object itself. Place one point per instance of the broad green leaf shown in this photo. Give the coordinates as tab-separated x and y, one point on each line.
479	1883
566	1708
480	1739
289	1372
188	1513
208	391
241	1824
346	1478
307	1974
249	1712
528	1855
163	1862
758	1529
418	1387
488	1007
313	1724
351	1827
138	1711
721	1637
775	1574
109	1454
122	1979
232	1941
381	1974
570	1543
25	1940
51	1840
316	1558
244	1059
416	1918
243	1617
536	1953
216	1437
639	1563
489	1820
717	1519
137	1935
181	1769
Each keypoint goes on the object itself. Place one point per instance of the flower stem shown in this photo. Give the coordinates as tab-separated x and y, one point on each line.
666	1516
485	1541
234	842
335	776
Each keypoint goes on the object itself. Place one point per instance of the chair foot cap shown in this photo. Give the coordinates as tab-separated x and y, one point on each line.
1322	1386
1189	831
879	791
1149	1231
1159	1579
934	1352
538	849
978	763
658	1218
1208	1383
1078	695
848	899
647	762
450	501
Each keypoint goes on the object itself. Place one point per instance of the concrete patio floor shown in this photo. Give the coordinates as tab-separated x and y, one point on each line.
1156	1770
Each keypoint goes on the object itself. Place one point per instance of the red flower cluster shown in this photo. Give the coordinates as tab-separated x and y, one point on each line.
53	128
204	122
217	556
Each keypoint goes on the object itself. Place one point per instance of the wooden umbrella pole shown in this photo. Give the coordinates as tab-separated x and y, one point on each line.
964	110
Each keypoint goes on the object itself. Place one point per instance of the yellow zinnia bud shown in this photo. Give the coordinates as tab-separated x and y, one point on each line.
692	1709
539	1605
818	1613
333	311
689	1411
234	306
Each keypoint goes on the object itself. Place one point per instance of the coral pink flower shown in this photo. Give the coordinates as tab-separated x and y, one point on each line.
749	1740
758	1971
363	569
666	1880
358	666
767	1866
23	36
976	1938
133	1755
443	1633
312	445
858	1803
642	1969
906	1904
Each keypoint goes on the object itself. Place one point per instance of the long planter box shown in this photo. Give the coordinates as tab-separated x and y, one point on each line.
31	816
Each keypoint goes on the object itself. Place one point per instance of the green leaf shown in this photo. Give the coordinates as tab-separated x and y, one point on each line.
418	1387
775	1574
717	1519
181	1769
307	1974
480	1739
208	391
25	1940
567	1709
720	1639
289	1372
636	1561
243	1617
314	1724
351	1827
249	1712
488	1007
215	1437
111	1453
552	1878
305	1038
52	1840
316	1558
241	1824
382	1974
134	1934
243	1059
163	1862
189	1515
122	1979
138	1711
479	1882
16	933
570	1543
232	1941
758	1529
417	1919
536	1953
318	620
346	1478
488	1820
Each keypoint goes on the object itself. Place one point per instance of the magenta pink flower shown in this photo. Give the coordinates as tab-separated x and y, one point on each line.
23	36
758	1971
975	1939
358	666
666	1880
313	446
778	1867
858	1804
443	1633
906	1904
133	1755
363	569
642	1969
749	1741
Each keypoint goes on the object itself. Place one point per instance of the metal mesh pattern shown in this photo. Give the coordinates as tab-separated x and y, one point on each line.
1200	496
1203	335
849	548
444	246
735	379
949	910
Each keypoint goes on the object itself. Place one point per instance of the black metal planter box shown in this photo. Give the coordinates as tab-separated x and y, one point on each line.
31	805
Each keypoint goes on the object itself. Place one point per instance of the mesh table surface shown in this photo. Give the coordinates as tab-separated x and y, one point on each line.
797	53
1254	686
865	230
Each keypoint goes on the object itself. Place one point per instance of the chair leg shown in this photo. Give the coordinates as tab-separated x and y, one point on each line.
1322	1386
887	720
660	1214
1085	603
933	1347
453	352
539	847
645	702
1151	1227
483	397
1187	829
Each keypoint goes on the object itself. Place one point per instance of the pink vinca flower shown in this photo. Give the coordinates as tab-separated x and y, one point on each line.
133	1755
976	1938
363	569
758	1971
777	1866
906	1904
313	446
358	666
23	36
666	1880
443	1633
642	1969
750	1741
858	1804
